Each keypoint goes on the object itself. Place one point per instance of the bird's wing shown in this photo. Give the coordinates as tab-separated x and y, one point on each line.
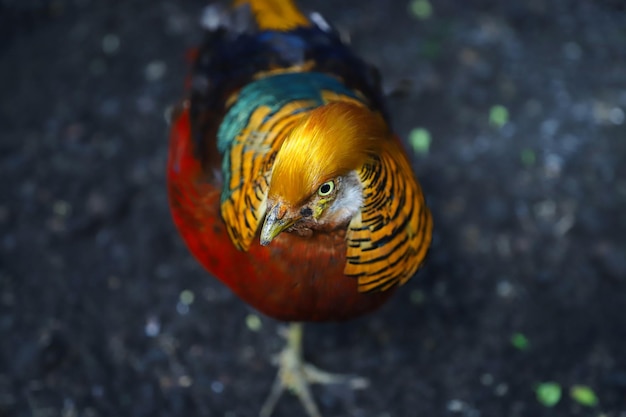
393	228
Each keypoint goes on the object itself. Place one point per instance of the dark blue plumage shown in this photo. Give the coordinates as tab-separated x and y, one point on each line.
227	61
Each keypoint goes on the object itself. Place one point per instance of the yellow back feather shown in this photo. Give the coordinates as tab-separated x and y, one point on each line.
275	14
331	140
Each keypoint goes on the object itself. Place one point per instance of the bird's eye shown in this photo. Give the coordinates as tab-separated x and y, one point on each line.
326	188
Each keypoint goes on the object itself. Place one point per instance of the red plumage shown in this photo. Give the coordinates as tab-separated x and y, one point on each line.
293	279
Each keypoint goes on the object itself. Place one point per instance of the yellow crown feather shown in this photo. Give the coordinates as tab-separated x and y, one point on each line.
331	140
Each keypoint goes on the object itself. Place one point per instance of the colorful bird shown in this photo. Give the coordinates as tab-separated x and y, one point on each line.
286	181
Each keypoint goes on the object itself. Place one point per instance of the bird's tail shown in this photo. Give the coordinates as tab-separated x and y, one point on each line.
275	14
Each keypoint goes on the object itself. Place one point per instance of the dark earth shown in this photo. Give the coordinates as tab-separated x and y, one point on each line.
103	312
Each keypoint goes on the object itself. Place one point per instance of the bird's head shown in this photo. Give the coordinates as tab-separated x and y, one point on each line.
314	183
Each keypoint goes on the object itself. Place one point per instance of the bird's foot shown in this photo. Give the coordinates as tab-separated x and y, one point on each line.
297	376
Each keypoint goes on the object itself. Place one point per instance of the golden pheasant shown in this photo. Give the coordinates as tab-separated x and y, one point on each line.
285	179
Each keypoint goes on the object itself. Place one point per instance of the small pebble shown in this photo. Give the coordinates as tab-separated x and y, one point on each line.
486	379
211	17
61	208
501	389
549	127
456	406
564	224
253	322
572	51
110	43
616	116
182	308
505	289
553	165
187	297
185	381
155	70
217	387
545	210
153	327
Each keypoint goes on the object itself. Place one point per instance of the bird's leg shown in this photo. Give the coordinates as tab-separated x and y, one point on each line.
297	376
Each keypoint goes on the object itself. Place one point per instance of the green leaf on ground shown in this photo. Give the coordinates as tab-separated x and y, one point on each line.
548	393
186	297
519	341
253	322
498	116
420	139
583	395
422	9
528	157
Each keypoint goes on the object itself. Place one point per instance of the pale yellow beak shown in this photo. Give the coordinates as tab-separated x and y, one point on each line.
275	223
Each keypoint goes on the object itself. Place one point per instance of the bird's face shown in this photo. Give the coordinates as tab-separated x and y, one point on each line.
333	204
315	184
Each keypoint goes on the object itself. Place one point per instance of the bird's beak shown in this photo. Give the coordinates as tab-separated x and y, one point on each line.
276	222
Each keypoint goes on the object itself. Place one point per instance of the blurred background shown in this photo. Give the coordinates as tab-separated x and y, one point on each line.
514	115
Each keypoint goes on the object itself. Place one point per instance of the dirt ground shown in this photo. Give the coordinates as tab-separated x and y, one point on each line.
103	312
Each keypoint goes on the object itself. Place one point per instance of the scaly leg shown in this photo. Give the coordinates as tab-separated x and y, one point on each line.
296	375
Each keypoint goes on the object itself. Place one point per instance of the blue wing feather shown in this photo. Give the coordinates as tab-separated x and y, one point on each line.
228	61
